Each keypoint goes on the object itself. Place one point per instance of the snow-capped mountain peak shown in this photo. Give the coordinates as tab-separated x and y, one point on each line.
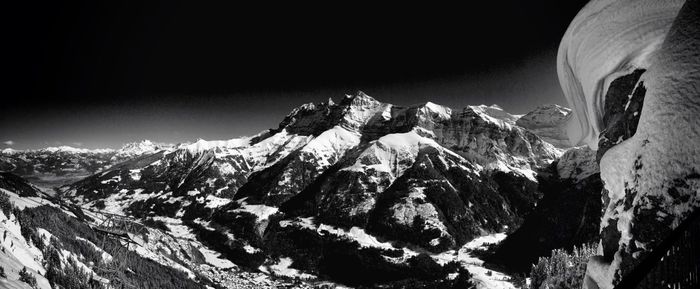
360	109
361	99
492	113
442	112
140	148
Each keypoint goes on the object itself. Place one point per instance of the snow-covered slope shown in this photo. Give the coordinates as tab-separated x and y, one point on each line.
18	253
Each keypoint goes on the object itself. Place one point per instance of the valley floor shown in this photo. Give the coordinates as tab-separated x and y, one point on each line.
483	277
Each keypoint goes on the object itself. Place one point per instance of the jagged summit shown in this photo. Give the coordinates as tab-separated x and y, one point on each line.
360	97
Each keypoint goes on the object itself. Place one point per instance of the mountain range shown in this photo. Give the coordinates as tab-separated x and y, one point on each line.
359	192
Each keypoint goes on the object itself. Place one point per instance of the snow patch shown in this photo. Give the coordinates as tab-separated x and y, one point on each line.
282	268
262	212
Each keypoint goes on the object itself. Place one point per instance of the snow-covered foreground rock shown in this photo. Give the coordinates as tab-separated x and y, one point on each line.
635	90
598	48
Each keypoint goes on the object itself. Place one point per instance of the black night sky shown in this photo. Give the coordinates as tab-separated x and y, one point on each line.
100	74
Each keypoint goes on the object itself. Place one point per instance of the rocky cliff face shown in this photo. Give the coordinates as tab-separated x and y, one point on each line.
346	175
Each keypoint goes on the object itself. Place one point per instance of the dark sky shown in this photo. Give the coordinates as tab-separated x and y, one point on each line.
100	74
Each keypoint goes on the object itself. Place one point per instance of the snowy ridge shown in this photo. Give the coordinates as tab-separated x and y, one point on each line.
69	149
274	148
203	145
59	149
383	154
495	114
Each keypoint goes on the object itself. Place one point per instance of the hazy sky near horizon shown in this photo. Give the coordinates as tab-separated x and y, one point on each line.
99	75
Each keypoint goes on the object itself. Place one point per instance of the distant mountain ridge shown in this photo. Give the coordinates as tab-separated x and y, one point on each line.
56	166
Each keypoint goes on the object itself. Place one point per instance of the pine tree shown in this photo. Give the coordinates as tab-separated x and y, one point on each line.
562	269
27	277
5	204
